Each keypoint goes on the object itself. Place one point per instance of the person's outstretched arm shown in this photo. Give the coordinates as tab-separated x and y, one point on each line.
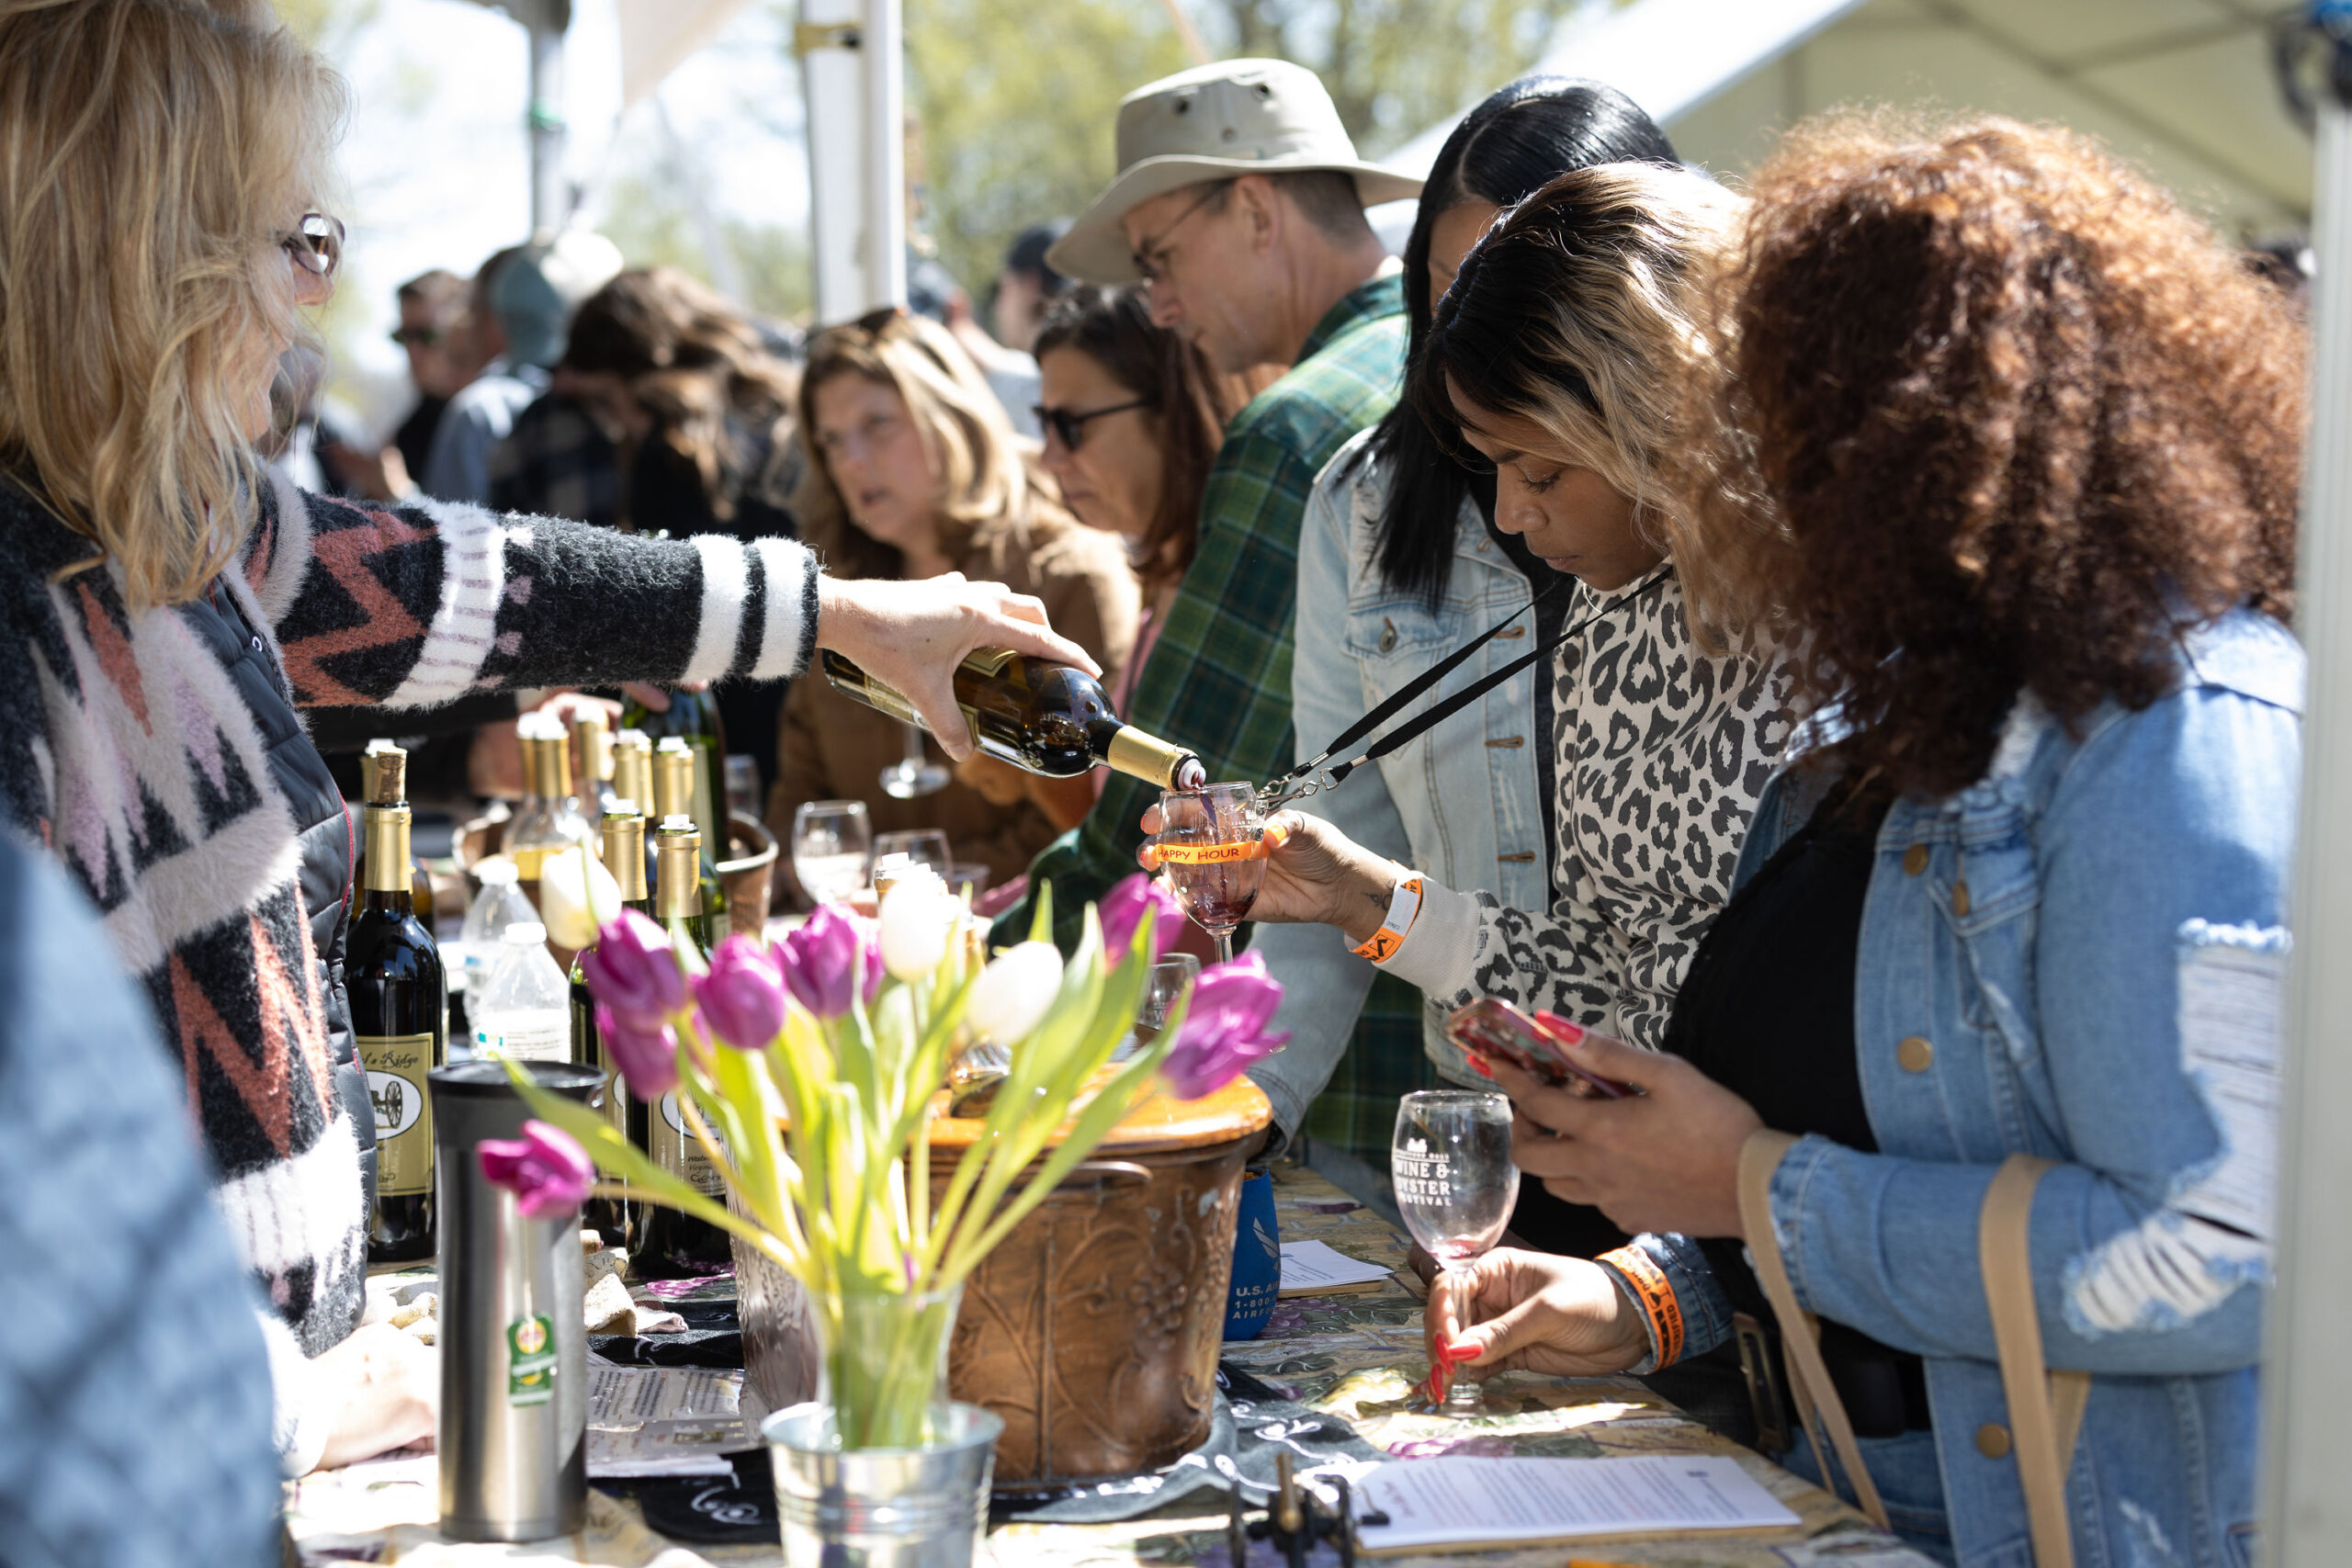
417	605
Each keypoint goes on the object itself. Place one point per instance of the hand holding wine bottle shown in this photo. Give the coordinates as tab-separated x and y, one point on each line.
1314	874
913	635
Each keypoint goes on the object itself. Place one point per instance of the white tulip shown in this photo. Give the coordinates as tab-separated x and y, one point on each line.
916	922
575	893
1015	992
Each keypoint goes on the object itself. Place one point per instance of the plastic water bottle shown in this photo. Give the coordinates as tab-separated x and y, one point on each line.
469	958
524	1007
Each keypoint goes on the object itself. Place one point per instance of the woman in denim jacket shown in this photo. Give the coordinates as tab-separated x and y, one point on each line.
2035	438
1400	563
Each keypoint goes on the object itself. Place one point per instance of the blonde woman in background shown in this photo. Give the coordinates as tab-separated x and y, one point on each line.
167	607
913	471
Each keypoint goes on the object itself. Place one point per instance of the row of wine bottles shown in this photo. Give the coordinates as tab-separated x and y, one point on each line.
1047	718
400	1016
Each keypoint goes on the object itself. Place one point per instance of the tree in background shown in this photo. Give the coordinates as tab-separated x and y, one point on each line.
1016	99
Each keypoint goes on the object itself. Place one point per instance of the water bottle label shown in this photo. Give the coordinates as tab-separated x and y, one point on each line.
530	1360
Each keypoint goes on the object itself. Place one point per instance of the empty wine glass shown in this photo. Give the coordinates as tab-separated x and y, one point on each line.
831	840
1212	843
1456	1186
924	846
1169	979
916	774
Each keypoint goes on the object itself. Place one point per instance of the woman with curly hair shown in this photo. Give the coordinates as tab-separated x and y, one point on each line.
2020	487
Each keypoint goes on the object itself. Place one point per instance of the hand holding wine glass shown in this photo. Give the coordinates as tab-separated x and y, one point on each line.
1455	1184
1212	843
1312	874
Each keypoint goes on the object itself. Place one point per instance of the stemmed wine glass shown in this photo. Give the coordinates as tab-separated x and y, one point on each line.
1456	1186
916	774
831	842
1211	842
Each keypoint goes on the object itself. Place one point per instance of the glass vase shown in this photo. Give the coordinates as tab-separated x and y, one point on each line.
882	1367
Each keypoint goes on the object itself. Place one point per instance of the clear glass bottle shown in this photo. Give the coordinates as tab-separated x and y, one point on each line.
548	820
467	958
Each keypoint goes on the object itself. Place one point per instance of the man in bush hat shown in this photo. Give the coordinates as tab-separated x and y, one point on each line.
1240	205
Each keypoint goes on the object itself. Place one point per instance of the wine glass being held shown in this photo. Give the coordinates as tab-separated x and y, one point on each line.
1540	1312
1315	875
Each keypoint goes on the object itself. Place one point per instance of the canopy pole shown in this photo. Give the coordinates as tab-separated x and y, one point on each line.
550	201
2307	1375
854	82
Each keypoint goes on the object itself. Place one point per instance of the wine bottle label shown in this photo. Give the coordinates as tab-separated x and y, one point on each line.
396	1066
1211	854
676	1150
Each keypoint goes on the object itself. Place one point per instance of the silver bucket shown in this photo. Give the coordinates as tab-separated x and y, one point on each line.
882	1507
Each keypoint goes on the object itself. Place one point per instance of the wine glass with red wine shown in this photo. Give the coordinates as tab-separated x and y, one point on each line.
1212	844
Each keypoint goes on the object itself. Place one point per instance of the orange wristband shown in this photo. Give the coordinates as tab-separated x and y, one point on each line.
1655	1292
1404	907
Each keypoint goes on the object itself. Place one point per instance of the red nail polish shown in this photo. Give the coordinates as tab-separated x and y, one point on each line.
1568	1032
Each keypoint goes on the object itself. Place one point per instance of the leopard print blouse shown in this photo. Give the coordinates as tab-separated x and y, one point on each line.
1661	752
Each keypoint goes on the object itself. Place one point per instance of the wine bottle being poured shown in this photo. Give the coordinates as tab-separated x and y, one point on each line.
1044	719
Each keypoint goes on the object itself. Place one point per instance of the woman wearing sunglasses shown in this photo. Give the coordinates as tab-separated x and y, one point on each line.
915	471
168	608
1132	415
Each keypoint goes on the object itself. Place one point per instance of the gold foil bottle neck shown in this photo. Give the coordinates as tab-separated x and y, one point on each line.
1147	756
623	837
387	841
678	848
595	743
674	779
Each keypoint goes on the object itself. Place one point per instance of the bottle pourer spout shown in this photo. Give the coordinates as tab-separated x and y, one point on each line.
1190	774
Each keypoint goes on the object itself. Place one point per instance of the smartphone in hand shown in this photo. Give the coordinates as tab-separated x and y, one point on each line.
1493	1030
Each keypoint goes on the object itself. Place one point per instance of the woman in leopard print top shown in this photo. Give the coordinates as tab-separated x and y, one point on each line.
1558	357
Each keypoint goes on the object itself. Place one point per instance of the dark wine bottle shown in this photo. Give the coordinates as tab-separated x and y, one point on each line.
671	1245
676	775
398	1016
1044	719
622	834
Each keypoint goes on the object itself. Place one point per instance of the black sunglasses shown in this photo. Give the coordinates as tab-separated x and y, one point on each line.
1071	427
420	337
316	243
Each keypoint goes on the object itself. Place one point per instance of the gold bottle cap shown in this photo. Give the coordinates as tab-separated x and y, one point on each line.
633	767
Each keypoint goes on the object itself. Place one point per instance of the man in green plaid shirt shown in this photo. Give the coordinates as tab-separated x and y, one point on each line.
1273	265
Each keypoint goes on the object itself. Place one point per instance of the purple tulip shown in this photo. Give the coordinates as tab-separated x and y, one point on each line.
546	1170
634	971
829	960
1224	1028
646	1058
1122	910
742	995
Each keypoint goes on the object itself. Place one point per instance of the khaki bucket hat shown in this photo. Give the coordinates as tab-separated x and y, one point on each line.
1212	122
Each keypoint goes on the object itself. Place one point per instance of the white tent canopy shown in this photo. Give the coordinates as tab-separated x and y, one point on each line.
2183	87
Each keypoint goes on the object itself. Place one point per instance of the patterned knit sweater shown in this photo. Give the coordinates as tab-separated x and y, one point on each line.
126	747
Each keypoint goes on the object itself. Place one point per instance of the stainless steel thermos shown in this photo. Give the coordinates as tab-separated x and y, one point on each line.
513	1353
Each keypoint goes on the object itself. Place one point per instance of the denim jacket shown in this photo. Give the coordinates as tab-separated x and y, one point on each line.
1461	803
2079	956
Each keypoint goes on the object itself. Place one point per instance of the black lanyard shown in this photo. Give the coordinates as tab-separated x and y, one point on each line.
1312	777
